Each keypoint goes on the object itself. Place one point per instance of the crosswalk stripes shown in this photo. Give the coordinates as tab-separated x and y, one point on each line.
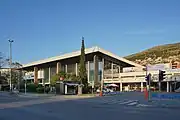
116	102
133	103
126	102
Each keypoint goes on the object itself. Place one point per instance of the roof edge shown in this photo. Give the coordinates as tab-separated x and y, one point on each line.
77	53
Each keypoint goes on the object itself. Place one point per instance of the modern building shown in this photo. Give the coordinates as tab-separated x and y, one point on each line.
100	65
98	62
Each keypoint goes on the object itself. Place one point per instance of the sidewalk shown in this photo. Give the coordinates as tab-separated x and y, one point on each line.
166	103
35	95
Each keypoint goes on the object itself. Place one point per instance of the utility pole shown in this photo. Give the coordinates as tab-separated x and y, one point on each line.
10	62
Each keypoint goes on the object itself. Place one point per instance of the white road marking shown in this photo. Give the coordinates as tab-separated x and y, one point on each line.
133	103
126	102
142	105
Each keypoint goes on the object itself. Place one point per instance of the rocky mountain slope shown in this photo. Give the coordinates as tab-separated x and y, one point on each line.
158	54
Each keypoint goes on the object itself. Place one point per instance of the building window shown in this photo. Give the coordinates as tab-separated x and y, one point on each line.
100	71
46	75
62	68
91	71
71	68
53	71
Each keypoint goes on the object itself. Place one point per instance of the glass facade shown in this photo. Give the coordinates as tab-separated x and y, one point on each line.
86	68
91	71
46	75
100	71
71	68
53	71
62	68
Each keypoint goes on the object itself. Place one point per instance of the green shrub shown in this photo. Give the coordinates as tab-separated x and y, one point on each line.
47	89
40	89
31	87
86	90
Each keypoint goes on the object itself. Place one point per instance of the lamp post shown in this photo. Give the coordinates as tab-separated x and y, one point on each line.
10	62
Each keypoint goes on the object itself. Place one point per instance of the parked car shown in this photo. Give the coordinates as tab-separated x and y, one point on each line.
105	90
177	90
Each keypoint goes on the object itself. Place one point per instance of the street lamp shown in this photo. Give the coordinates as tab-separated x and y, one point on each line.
10	62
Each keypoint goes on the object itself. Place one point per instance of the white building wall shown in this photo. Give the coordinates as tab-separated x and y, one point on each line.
133	77
30	75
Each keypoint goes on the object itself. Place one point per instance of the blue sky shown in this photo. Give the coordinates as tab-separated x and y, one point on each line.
45	28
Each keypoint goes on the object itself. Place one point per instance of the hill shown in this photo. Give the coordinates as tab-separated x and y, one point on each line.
158	54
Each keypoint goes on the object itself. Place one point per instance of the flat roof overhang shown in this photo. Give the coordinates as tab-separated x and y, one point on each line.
90	51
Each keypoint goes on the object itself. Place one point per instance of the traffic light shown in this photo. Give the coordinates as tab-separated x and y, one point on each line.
161	75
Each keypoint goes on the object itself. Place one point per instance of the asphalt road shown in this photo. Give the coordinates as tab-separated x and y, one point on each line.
126	106
6	97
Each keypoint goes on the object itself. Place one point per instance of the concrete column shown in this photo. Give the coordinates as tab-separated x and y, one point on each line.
35	75
102	76
96	69
112	69
88	70
76	69
102	69
65	89
119	72
170	87
79	90
58	67
121	87
49	74
66	68
167	86
141	86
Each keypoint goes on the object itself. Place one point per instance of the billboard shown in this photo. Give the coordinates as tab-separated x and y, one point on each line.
132	69
158	67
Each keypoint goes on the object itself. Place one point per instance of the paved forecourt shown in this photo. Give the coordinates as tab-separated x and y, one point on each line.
102	108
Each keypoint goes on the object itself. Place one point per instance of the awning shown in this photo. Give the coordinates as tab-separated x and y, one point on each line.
72	84
112	85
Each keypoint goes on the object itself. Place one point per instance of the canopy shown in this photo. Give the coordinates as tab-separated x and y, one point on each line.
112	85
72	84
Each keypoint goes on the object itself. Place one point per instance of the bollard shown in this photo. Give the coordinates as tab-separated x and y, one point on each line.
101	93
146	94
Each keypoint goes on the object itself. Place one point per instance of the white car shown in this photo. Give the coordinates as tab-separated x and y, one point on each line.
98	91
177	90
15	91
108	90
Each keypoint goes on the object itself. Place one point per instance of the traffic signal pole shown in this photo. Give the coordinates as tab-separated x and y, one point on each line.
159	83
148	85
149	92
161	78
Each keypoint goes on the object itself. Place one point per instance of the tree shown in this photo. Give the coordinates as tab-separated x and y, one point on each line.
82	67
65	76
16	65
74	78
54	79
3	61
16	74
